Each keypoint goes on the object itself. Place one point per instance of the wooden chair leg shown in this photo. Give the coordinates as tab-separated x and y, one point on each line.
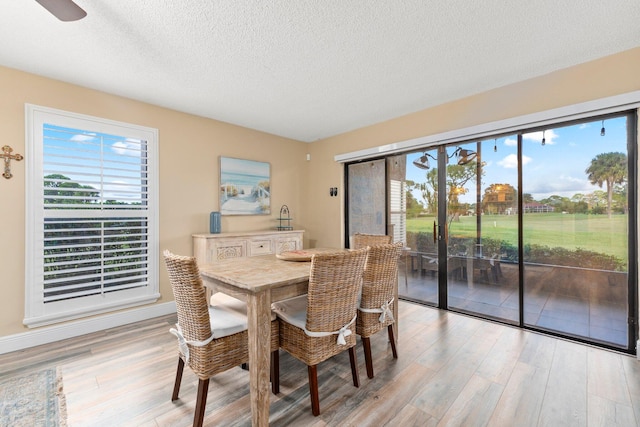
275	372
354	366
366	344
201	402
313	389
176	386
392	340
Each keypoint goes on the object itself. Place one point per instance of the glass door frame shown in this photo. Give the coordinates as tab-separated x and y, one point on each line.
632	229
442	232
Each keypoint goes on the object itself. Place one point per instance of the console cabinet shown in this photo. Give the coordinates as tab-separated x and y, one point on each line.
210	248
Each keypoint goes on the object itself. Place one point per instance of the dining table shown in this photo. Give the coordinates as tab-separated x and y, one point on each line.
261	280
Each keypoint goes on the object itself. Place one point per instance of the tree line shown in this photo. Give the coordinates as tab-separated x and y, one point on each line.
608	170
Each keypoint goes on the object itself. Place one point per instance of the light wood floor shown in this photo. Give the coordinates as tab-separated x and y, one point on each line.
452	370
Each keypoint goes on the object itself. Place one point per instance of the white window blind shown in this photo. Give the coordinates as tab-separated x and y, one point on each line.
398	209
91	244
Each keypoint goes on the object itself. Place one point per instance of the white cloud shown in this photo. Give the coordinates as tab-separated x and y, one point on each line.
128	147
121	190
83	137
511	161
549	137
510	142
564	185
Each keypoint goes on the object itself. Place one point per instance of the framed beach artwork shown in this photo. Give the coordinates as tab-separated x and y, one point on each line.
245	187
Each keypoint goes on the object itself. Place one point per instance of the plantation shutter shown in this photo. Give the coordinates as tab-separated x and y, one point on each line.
94	210
398	209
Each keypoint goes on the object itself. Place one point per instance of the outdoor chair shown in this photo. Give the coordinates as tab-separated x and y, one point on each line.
321	324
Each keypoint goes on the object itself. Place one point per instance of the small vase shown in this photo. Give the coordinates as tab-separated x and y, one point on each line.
215	223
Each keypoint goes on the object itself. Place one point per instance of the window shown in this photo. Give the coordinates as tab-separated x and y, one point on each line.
92	206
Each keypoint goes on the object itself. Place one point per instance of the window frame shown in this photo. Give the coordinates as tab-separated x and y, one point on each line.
37	313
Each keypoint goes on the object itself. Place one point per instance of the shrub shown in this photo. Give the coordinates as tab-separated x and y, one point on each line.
423	242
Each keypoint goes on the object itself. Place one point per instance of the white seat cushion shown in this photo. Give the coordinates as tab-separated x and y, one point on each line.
226	316
225	322
292	310
222	300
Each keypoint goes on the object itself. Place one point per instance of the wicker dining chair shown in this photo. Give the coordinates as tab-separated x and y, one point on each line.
321	324
361	240
378	296
211	338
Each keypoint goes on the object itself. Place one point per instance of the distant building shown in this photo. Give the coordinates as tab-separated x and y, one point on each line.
535	207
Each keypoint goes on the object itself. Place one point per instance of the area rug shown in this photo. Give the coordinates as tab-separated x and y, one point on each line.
33	399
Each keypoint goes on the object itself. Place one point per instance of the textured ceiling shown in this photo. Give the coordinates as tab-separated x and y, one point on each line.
310	69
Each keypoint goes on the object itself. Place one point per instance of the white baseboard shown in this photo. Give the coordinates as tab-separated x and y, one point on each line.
50	334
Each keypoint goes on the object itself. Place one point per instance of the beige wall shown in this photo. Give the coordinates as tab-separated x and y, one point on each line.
189	150
190	146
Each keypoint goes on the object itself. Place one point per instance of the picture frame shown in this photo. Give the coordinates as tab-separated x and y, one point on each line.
245	187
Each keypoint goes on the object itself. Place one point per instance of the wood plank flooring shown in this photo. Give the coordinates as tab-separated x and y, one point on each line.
452	370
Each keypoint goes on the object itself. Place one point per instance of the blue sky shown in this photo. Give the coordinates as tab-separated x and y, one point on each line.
80	155
557	168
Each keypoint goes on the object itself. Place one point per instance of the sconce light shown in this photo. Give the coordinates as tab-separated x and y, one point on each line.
465	156
423	161
333	191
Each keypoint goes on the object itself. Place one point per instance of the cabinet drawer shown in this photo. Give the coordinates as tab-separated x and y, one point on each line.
288	244
230	249
260	247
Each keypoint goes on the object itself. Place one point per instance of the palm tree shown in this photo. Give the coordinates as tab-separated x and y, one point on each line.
609	168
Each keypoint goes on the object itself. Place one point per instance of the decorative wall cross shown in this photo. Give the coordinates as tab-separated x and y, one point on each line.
7	156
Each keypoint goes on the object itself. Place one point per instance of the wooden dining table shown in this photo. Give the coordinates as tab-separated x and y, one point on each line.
260	280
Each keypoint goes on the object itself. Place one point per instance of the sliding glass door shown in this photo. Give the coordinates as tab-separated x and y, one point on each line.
421	258
462	241
482	228
575	230
530	228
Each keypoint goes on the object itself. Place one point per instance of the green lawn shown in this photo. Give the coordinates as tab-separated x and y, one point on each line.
595	233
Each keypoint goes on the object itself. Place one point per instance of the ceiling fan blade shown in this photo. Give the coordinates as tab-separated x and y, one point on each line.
64	10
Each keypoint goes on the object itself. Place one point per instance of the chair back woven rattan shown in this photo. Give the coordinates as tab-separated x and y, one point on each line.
217	355
335	283
378	297
361	240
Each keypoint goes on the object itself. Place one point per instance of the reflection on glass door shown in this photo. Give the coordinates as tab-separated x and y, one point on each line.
421	254
575	227
482	228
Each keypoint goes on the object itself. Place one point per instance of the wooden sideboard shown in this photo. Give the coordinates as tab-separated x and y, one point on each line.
209	248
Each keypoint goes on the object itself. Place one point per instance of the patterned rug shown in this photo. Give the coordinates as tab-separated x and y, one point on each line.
34	399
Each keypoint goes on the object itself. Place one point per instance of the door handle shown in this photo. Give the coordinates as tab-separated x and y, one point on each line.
435	238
